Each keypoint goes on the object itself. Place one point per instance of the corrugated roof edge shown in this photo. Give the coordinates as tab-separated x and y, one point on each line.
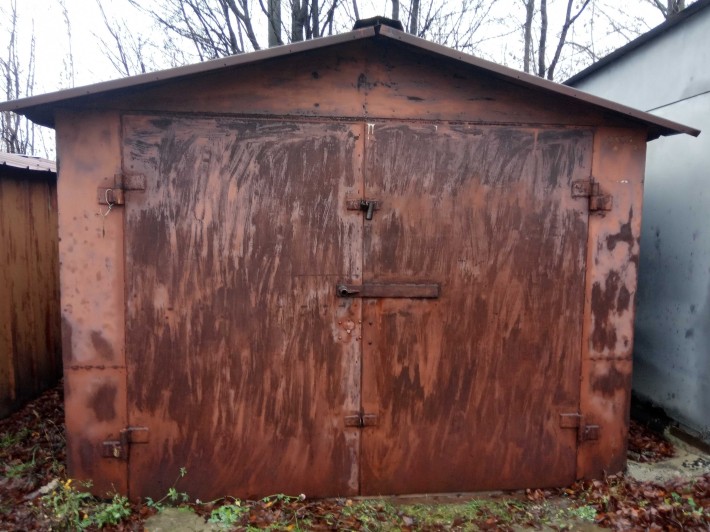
639	41
657	126
27	162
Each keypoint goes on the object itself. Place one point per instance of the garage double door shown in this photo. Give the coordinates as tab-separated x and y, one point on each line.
341	308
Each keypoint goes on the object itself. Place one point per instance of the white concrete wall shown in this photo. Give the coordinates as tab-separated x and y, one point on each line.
670	76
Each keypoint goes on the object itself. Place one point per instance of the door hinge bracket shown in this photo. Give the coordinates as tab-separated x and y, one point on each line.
585	432
126	437
598	201
361	420
121	182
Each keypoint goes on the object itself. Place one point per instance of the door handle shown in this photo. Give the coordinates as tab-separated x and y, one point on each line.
369	207
345	290
389	290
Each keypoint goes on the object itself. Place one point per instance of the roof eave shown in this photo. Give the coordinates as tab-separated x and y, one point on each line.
657	126
41	108
42	102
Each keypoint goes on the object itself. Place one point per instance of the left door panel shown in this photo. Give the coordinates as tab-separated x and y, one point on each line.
237	360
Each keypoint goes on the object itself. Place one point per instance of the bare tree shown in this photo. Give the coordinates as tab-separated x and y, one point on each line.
670	8
273	17
125	49
414	18
17	133
454	24
69	58
545	70
527	30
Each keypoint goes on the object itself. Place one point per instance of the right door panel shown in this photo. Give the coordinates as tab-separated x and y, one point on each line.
468	388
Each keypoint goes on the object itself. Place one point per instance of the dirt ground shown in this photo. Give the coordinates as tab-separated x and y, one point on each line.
666	487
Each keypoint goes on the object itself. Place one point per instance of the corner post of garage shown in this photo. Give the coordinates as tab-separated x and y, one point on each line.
93	302
610	295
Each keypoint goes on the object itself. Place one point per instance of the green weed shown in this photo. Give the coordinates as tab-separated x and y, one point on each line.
112	513
173	496
71	509
228	515
68	507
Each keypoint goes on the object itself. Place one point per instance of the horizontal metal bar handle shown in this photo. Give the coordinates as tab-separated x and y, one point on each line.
389	290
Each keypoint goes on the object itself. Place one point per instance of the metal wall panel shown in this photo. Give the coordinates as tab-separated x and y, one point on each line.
242	362
468	388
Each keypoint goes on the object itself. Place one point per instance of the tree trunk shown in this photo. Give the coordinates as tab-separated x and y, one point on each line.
299	12
274	18
315	19
395	9
569	20
543	39
529	12
414	18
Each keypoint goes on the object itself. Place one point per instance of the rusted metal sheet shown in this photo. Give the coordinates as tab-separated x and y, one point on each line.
242	362
468	388
92	310
30	354
610	294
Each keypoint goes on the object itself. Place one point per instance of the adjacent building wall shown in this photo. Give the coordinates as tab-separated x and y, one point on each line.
30	358
670	76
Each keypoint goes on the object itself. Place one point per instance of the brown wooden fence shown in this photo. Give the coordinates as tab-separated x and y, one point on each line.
30	352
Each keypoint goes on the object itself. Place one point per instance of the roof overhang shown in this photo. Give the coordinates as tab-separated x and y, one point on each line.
40	109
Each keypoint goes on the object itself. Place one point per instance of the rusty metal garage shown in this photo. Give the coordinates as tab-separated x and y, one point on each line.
362	264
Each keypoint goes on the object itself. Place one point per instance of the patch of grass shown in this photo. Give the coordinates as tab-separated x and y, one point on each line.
10	439
19	469
373	514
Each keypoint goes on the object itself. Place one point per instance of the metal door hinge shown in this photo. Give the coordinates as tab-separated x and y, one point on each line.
598	201
361	420
585	432
126	437
121	182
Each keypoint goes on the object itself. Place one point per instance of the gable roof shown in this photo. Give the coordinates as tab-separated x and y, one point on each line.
41	108
650	35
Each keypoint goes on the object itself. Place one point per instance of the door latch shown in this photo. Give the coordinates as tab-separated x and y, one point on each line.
368	206
345	290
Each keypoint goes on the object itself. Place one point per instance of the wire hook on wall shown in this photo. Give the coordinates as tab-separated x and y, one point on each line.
108	202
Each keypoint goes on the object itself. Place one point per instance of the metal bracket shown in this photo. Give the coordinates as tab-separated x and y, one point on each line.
126	437
590	189
576	421
389	290
361	420
115	195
